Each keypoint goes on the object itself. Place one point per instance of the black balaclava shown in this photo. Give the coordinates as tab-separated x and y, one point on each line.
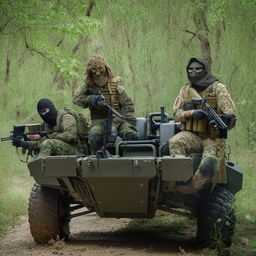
50	117
199	81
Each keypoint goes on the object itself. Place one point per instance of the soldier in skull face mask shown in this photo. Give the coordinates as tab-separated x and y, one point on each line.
197	136
99	79
62	135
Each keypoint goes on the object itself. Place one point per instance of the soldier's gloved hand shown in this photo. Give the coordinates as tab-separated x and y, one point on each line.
229	120
95	100
92	100
199	114
20	143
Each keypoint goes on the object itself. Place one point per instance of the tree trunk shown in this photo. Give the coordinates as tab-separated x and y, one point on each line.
202	31
7	69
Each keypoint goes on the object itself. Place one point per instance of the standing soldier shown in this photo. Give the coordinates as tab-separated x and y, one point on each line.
66	132
197	136
100	80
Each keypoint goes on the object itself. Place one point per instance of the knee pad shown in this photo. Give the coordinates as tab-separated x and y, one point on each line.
209	166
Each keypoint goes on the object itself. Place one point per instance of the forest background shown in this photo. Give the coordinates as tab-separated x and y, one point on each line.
45	45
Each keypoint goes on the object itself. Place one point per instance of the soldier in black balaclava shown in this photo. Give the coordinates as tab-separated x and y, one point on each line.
62	132
47	111
197	135
198	74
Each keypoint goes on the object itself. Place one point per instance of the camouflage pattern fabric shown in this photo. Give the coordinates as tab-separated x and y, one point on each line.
81	98
115	95
52	147
96	132
223	98
63	134
212	149
186	142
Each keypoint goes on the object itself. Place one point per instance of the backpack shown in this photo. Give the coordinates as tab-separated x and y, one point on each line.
82	124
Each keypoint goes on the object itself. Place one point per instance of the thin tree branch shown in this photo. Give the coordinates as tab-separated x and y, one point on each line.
192	33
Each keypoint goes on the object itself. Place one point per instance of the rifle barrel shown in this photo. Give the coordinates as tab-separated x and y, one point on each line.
6	138
114	111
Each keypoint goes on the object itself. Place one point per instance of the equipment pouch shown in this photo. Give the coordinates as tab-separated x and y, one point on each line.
189	125
195	125
202	125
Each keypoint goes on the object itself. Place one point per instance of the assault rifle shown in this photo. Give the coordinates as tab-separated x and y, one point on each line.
213	117
103	103
108	138
18	132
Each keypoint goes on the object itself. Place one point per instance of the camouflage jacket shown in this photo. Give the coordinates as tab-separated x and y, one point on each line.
223	100
123	103
65	130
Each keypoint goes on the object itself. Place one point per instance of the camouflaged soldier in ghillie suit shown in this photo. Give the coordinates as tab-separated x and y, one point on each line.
62	133
196	135
100	80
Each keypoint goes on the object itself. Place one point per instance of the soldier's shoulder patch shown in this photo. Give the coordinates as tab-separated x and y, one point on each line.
120	89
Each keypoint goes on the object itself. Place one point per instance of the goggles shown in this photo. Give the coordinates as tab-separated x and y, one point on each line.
197	70
100	70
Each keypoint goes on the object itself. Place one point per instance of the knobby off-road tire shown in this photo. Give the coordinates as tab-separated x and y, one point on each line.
216	219
48	214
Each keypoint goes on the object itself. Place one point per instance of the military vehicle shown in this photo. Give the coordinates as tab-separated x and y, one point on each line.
127	179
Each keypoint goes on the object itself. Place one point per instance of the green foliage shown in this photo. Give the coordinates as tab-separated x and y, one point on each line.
47	44
35	21
250	218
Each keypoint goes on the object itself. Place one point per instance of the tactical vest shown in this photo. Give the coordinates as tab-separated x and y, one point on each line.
110	92
201	127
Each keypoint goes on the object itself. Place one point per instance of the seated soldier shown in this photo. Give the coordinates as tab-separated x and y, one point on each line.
197	135
62	132
100	80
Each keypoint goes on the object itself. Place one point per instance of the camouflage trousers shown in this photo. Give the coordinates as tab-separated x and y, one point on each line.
51	147
96	133
213	153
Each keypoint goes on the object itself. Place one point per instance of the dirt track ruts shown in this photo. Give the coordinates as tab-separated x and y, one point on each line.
91	236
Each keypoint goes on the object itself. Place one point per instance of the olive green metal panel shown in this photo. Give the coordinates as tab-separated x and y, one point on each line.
118	167
56	166
119	185
176	168
234	177
120	195
35	167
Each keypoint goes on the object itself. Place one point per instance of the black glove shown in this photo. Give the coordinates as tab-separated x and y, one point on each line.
199	114
229	120
96	100
20	143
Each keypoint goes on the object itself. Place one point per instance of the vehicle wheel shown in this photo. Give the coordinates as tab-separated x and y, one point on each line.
216	219
48	214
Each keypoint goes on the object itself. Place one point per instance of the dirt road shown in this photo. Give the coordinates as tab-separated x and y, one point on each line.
91	236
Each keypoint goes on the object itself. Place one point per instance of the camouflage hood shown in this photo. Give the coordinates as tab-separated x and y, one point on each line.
94	62
206	80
